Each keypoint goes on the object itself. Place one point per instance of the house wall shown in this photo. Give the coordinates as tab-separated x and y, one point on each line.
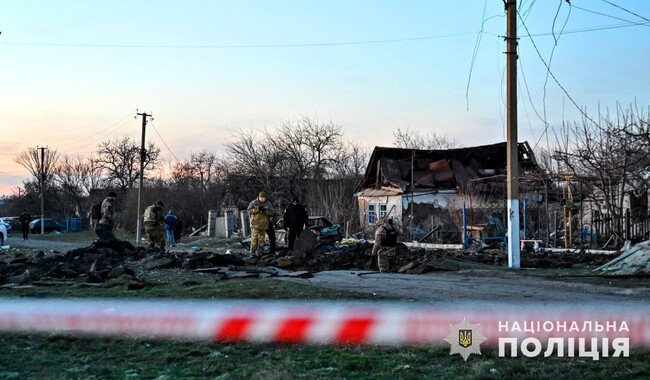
385	206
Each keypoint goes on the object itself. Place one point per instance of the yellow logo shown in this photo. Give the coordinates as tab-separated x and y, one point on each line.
465	339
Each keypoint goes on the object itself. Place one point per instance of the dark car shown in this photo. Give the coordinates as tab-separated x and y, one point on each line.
325	230
319	225
50	226
14	223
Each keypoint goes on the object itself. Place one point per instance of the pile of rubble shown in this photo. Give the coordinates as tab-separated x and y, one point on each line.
104	262
633	261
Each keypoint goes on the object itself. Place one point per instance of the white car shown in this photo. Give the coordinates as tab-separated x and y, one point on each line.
3	232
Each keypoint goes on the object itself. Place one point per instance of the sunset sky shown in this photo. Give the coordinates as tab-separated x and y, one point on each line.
73	73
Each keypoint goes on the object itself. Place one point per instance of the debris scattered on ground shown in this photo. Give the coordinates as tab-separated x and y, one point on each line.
633	261
121	264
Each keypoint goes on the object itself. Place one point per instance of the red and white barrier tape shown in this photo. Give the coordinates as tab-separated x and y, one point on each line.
312	322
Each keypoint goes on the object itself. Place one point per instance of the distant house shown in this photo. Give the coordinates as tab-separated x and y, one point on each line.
398	178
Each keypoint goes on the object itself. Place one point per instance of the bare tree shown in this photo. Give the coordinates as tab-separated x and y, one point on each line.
410	139
351	161
610	156
253	154
200	171
120	161
30	159
305	158
75	176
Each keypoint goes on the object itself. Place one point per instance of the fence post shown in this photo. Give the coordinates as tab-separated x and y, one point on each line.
465	237
525	218
554	228
628	220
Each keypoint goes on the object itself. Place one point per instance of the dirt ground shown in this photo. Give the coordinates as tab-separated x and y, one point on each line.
472	282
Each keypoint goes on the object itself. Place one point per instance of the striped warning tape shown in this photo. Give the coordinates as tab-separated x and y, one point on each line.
321	322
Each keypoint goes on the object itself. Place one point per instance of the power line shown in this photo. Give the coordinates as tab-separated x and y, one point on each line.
315	44
556	39
163	141
625	10
100	132
610	16
477	44
553	75
581	30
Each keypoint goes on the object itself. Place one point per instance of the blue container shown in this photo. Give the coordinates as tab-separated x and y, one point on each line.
72	224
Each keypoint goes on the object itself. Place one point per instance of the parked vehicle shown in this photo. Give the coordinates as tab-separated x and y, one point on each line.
3	232
319	225
322	227
14	224
50	225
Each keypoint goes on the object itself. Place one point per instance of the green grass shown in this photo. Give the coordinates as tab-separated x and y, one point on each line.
73	357
63	356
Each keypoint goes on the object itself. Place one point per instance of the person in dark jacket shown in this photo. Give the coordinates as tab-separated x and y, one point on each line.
295	220
178	230
24	223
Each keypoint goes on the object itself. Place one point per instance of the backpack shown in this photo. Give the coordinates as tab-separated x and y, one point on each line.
390	239
96	211
150	215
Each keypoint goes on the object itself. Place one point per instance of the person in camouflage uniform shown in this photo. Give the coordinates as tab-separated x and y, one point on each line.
384	247
104	228
154	219
260	211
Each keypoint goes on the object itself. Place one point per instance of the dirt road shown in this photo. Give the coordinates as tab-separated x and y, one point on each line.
485	285
16	241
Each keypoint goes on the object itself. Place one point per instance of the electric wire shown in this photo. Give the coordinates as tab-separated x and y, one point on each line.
100	132
163	140
550	60
477	44
610	16
625	10
555	78
243	46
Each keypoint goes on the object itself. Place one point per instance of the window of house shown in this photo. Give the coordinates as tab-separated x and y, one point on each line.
382	211
372	216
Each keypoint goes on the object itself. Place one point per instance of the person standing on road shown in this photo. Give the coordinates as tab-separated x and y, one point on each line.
95	214
385	240
104	228
154	218
170	227
24	223
259	210
178	230
294	220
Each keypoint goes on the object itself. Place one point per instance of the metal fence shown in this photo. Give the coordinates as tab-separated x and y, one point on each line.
558	226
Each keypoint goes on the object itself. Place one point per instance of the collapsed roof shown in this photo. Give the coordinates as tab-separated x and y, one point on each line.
483	167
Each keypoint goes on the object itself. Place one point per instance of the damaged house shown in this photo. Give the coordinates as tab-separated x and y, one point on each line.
424	190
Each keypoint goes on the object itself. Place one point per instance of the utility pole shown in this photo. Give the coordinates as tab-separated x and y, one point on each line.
514	250
42	178
143	156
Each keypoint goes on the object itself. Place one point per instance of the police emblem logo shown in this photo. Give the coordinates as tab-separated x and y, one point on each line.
465	339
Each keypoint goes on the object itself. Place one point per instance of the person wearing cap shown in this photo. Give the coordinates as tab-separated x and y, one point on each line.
384	241
154	219
294	220
260	211
104	228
